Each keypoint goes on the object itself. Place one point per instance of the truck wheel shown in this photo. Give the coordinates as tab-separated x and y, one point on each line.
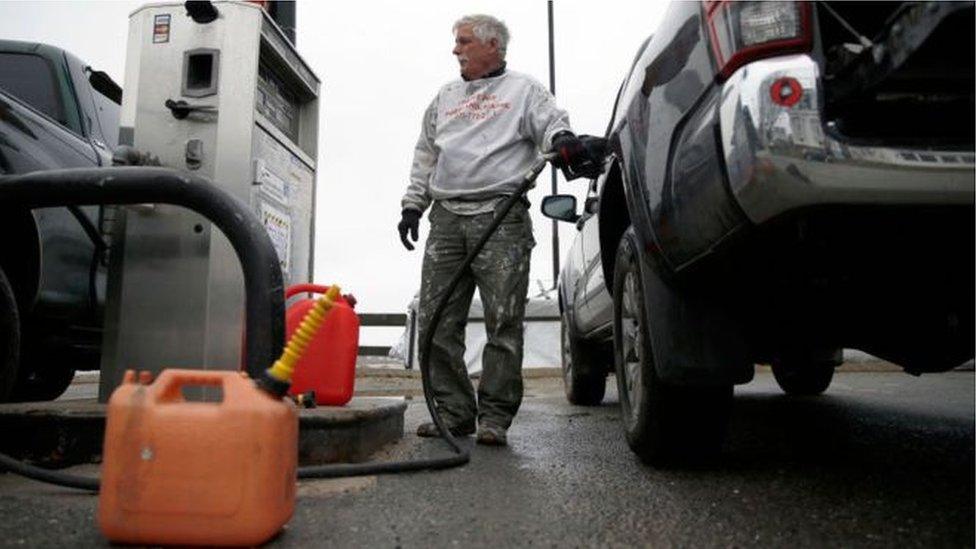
803	378
584	377
43	376
9	338
663	422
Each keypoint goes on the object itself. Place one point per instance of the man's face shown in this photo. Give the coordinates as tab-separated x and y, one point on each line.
476	58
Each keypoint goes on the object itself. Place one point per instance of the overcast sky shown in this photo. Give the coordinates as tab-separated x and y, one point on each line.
381	61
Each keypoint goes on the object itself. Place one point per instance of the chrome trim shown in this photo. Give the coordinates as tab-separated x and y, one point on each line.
781	158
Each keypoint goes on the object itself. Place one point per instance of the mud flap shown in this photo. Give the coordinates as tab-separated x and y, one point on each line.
694	342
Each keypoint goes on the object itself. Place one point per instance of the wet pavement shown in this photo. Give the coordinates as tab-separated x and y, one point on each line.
882	459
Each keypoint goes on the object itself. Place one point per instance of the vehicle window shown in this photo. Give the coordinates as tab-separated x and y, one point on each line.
107	112
31	79
106	98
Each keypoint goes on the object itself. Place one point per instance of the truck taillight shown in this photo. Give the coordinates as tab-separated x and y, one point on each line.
745	31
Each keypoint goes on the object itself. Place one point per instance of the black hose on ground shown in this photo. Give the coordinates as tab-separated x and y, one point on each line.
461	455
46	475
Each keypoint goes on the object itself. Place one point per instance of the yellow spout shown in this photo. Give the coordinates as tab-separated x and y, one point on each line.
284	367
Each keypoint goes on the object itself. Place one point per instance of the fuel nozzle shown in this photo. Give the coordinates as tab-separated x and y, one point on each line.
596	146
276	380
583	156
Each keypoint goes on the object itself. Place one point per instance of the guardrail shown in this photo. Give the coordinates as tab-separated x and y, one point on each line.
409	320
384	320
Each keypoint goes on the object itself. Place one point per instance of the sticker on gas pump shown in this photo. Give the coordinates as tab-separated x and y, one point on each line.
271	185
161	28
278	225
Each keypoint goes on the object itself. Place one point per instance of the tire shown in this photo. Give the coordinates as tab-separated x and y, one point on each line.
46	382
47	367
9	338
584	376
665	424
801	378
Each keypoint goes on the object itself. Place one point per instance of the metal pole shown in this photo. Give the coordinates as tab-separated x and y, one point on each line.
552	170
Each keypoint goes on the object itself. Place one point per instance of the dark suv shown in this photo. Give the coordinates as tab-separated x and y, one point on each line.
55	112
788	179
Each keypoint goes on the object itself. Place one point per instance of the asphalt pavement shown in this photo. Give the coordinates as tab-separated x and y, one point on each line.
882	459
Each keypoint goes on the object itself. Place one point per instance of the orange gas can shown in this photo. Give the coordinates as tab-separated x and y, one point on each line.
328	366
197	473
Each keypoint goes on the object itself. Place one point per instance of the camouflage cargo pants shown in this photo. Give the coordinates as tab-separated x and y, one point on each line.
501	274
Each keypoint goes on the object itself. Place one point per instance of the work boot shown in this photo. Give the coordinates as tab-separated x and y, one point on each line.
430	429
491	435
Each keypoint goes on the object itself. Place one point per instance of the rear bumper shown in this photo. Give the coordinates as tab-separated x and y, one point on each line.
780	159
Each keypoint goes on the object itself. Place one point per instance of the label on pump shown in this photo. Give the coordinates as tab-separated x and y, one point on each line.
161	28
271	184
278	225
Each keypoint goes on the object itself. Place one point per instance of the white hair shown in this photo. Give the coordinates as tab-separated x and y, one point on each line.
486	27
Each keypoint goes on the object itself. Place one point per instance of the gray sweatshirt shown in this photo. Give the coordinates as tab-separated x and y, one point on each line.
479	137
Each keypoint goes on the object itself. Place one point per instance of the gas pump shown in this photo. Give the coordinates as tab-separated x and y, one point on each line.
219	90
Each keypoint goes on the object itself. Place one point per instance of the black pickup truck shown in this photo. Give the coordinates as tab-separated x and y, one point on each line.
55	112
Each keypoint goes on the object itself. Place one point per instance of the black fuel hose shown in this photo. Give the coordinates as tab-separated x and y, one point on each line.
100	247
47	475
461	455
90	230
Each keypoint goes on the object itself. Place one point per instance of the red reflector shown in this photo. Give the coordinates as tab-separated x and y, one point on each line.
786	91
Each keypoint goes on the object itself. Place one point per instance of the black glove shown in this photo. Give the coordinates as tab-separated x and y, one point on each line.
576	157
409	221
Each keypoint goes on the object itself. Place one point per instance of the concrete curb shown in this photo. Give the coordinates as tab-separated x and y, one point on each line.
351	433
63	433
53	434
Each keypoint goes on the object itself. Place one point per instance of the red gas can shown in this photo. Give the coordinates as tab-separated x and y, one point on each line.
328	366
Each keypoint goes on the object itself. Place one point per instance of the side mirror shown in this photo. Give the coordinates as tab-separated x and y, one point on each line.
102	83
561	207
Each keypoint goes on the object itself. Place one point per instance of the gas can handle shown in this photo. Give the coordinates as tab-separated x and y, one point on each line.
305	288
170	383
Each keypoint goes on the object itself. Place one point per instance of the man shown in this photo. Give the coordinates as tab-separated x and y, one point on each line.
479	136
